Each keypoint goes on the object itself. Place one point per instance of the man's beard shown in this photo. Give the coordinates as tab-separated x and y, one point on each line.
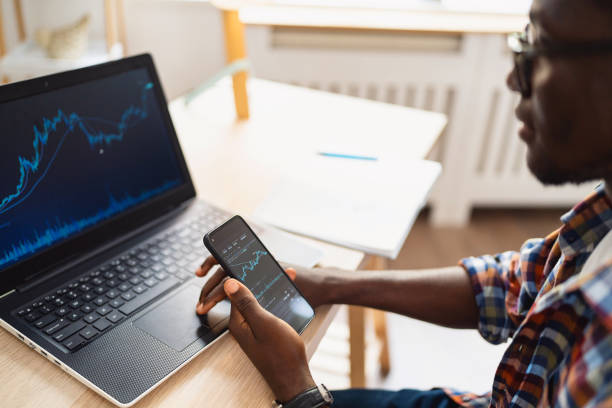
549	174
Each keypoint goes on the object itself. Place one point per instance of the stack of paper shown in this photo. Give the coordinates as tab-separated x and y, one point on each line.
366	205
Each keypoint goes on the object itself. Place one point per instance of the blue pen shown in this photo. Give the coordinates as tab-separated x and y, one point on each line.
347	156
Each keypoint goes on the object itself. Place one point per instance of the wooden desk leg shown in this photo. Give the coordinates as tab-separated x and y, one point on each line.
236	49
380	324
357	345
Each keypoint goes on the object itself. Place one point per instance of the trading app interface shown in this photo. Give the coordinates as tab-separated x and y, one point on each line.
74	157
249	261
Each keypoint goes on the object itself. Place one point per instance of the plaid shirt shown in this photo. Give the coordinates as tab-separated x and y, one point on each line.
559	322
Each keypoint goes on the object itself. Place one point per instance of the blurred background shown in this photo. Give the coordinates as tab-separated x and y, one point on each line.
447	56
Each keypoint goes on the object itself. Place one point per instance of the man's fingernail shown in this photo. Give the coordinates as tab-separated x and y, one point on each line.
200	308
232	286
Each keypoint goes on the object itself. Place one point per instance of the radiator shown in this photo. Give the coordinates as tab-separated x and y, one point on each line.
462	76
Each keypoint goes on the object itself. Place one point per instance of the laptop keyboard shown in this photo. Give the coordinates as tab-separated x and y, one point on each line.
92	304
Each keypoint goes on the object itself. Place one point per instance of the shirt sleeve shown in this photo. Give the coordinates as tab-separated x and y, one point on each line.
489	279
506	285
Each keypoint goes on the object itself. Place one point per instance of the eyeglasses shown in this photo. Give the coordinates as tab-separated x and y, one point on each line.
525	51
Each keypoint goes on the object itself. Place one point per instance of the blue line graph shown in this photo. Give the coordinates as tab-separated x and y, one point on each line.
267	287
63	229
33	170
250	265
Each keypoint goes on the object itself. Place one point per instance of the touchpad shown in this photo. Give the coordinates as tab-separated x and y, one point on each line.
176	323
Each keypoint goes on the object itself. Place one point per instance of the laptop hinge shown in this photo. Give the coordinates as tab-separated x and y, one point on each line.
97	251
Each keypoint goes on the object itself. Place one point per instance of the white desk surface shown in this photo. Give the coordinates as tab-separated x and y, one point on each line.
287	127
415	16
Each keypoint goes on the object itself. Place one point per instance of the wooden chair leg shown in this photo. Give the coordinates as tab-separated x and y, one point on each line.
111	24
380	328
357	346
380	324
236	49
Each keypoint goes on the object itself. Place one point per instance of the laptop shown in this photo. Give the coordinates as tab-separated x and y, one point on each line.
101	231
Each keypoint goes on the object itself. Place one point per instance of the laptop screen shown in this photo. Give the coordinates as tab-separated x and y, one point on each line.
75	157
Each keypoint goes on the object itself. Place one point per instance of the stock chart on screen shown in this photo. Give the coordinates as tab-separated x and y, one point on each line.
74	157
250	262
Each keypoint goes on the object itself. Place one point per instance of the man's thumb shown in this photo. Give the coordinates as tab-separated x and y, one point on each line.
242	298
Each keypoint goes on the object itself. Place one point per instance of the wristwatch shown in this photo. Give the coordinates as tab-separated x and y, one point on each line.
315	397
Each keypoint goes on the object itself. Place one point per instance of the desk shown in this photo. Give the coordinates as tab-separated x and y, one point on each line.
287	126
233	164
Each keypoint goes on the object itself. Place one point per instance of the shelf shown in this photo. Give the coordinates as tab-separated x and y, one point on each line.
28	60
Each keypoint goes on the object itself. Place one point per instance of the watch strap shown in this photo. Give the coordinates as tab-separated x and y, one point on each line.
315	397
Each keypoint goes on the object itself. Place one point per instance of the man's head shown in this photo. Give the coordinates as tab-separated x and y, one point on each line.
568	115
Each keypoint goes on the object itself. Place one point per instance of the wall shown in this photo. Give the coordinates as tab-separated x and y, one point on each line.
185	38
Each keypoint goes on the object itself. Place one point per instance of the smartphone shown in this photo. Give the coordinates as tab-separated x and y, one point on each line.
244	257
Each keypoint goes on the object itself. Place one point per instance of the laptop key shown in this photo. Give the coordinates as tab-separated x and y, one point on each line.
115	316
92	317
88	297
73	342
62	311
88	333
139	289
135	280
102	324
151	282
113	293
146	297
161	275
100	300
68	331
58	325
87	309
116	303
47	309
112	283
99	290
75	304
74	316
104	310
128	296
45	321
124	286
182	276
30	317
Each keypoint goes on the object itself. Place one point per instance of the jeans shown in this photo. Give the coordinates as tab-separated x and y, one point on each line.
362	398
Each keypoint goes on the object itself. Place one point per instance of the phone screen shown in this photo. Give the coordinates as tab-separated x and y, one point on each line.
243	256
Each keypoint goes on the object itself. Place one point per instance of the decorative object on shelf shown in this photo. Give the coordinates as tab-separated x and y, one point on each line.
68	42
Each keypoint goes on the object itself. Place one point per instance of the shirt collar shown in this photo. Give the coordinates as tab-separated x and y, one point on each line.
586	224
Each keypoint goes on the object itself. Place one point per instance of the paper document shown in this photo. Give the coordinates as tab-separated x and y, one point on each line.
366	205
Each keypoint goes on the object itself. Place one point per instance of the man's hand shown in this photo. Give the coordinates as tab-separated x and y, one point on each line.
310	282
275	349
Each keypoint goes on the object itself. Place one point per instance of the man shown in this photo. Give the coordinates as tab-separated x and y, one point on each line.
556	320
